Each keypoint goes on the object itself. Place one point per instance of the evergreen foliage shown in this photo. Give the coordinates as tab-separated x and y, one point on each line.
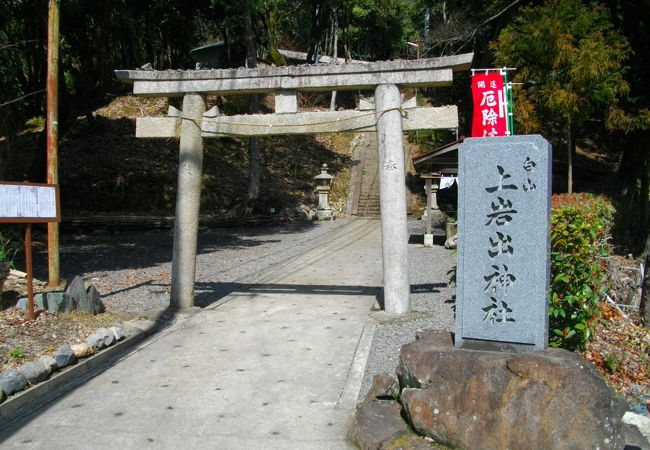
581	226
570	60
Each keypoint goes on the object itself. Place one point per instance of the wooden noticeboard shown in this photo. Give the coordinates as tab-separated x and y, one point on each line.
29	203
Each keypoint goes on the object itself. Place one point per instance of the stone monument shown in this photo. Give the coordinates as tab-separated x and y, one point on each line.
504	204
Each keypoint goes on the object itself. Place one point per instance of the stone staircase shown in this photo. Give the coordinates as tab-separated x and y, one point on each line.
368	205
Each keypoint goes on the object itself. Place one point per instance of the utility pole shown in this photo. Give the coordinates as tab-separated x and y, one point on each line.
52	133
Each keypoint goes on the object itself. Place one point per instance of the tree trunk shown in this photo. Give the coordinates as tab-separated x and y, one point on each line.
645	287
335	51
644	218
633	182
569	143
254	164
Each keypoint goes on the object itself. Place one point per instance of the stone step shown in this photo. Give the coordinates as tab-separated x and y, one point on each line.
368	205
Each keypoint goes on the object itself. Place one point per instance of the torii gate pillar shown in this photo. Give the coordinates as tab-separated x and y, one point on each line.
188	202
392	199
285	83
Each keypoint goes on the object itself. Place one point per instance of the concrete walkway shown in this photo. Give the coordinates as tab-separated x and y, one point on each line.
278	365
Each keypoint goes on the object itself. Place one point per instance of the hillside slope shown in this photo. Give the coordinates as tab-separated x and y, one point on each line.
104	169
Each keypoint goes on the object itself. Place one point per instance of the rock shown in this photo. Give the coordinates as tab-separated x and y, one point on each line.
634	439
639	421
39	302
49	362
12	381
411	441
451	242
77	290
377	422
60	302
95	303
82	350
3	396
384	387
107	335
118	333
437	338
96	341
476	399
64	356
35	372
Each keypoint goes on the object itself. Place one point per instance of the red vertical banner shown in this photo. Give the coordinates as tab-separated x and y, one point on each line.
490	110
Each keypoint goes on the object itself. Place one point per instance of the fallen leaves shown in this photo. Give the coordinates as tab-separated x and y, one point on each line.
22	340
620	351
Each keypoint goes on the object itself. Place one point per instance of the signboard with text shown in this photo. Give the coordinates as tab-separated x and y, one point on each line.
29	203
504	206
490	117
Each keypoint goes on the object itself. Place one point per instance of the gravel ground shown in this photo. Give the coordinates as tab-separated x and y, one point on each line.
132	273
428	269
132	270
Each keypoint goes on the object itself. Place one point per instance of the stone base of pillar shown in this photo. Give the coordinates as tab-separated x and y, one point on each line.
428	240
324	214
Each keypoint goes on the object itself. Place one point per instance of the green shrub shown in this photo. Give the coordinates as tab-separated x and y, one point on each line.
7	251
581	225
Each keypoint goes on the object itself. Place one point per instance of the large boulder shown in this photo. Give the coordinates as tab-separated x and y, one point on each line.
77	290
477	399
95	305
52	301
378	422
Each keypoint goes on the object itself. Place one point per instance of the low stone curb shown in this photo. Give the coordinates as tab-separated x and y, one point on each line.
69	373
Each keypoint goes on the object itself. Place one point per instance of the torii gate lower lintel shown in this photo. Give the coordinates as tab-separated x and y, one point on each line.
389	119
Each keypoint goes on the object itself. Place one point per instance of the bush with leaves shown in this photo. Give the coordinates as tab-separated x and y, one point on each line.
581	225
7	251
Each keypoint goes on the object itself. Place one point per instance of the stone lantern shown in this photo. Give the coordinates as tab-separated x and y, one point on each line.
433	216
323	187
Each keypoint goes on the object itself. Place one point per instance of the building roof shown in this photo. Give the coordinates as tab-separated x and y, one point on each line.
443	158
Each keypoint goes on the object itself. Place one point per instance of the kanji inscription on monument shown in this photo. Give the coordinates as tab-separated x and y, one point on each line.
503	274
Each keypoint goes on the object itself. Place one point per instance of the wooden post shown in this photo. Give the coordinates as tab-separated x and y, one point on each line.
30	274
188	201
52	134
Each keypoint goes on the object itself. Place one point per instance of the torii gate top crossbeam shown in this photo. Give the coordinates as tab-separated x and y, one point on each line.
406	73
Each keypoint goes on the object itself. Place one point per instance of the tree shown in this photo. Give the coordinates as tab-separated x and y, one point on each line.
570	59
255	166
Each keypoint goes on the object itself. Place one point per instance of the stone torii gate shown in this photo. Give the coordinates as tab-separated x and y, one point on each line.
389	119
